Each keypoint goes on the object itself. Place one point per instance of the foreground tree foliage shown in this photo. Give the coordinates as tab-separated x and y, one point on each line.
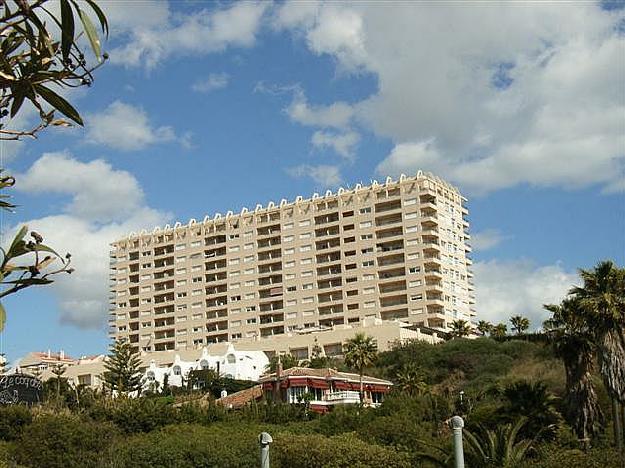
41	53
360	353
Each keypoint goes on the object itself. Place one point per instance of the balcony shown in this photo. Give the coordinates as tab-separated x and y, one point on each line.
393	301
327	218
268	319
381	221
388	276
389	234
428	222
215	240
394	314
387	260
344	397
271	292
388	206
268	280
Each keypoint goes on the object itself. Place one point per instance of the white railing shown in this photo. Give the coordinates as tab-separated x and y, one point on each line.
342	395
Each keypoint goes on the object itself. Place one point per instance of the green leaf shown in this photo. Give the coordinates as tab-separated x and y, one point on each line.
45	248
17	240
103	21
18	100
59	103
92	35
3	317
67	28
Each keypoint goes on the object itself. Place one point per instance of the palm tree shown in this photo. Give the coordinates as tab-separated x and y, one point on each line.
484	327
572	343
361	351
502	448
459	328
499	331
410	379
519	324
602	301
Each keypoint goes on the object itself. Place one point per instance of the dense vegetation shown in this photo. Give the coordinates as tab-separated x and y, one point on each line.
509	388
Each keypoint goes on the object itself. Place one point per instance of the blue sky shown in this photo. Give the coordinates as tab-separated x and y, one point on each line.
205	108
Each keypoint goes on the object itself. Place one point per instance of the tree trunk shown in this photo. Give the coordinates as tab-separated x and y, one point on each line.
362	395
618	425
582	409
612	363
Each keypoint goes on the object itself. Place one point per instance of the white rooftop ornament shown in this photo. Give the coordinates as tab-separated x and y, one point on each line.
284	202
315	196
143	232
217	216
341	190
157	229
358	187
271	205
177	225
419	173
298	199
244	210
389	180
229	214
206	219
329	193
258	208
131	234
192	221
375	183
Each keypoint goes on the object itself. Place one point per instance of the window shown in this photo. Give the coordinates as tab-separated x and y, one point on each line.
235	323
365	224
181	259
235	285
414	284
368	290
368	263
248	246
249	296
234	261
196	292
352	292
288	238
196	243
307	286
410	201
235	273
368	250
369	305
291	302
249	271
291	289
304	223
235	298
414	270
234	248
365	210
179	283
306	261
181	294
305	248
411	215
289	264
368	277
413	256
197	279
181	271
291	315
289	251
308	300
195	256
250	308
306	274
416	297
366	236
287	226
289	276
305	235
250	321
196	268
411	229
250	283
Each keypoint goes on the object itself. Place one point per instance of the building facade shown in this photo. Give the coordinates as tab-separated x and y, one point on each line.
396	250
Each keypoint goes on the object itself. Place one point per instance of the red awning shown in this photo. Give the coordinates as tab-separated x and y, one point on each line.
316	383
355	386
378	388
298	382
319	408
342	385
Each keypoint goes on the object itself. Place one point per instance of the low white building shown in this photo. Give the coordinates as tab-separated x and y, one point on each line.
228	362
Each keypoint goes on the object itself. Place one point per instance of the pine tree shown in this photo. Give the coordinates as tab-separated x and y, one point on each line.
122	369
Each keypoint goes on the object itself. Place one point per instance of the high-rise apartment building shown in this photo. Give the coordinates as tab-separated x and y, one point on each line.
396	250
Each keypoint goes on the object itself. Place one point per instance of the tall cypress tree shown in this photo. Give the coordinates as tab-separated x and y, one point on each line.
122	369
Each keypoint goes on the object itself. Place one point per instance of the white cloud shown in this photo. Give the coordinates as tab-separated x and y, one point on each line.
125	127
342	143
487	239
106	204
214	82
504	289
151	42
325	176
337	115
487	97
99	193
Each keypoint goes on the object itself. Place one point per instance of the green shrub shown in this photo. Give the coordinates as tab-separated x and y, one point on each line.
133	415
187	446
62	441
12	421
346	450
550	455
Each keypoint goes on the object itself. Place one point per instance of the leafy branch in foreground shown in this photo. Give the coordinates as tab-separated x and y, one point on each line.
40	51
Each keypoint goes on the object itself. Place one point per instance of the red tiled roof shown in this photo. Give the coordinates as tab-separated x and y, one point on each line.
240	399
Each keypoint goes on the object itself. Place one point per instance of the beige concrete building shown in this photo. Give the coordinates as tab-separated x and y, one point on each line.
392	250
